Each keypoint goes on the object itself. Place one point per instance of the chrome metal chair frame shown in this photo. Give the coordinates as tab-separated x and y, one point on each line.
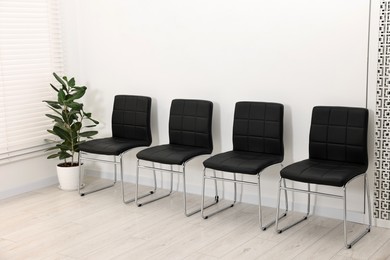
171	171
115	163
235	181
343	197
130	127
190	136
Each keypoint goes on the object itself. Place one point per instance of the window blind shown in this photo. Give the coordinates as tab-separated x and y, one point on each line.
30	51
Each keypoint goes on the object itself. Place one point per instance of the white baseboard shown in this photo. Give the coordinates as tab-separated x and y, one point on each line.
29	187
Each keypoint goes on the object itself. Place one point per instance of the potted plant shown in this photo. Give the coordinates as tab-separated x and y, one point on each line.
68	118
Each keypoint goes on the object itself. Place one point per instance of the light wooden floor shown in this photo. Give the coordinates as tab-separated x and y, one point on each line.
53	224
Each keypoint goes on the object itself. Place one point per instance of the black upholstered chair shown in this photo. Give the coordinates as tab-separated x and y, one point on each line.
257	144
189	136
337	155
130	129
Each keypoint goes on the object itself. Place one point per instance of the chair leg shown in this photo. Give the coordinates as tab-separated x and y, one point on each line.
260	211
185	198
368	202
80	173
260	206
277	211
285	195
140	204
101	188
362	234
123	186
203	191
216	198
115	168
278	205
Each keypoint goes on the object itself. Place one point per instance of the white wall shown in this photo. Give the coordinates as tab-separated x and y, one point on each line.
300	53
26	174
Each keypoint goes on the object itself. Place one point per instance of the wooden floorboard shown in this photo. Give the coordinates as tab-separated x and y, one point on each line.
54	224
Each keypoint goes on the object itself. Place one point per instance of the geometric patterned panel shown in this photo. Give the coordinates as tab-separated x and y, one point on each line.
382	119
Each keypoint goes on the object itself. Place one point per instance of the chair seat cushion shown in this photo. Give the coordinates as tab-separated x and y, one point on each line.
111	145
241	162
171	154
323	172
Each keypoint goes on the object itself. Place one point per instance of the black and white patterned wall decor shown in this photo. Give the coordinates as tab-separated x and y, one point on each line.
382	120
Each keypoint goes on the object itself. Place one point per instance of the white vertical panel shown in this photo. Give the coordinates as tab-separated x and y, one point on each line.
382	121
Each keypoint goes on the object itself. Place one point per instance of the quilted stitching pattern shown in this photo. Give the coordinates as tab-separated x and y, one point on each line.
130	127
337	147
257	139
131	117
189	133
190	123
339	134
258	127
242	162
323	172
171	154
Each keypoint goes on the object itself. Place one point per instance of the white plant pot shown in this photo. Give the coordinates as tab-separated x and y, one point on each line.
68	178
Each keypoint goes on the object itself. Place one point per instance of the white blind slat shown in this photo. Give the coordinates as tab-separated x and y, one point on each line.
30	51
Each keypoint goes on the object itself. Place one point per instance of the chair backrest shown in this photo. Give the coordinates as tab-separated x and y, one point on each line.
339	134
131	117
258	127
190	123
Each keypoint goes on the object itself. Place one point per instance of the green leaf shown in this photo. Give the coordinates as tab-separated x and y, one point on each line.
82	141
89	126
58	112
61	133
88	133
73	118
95	121
53	104
65	146
52	156
56	89
64	155
52	148
55	118
75	105
59	80
78	94
71	82
76	126
67	118
73	112
61	97
63	126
